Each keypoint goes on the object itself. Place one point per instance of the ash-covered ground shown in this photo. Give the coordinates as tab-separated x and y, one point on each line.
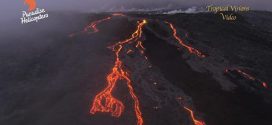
49	76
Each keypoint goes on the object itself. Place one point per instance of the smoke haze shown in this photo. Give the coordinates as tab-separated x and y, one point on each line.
12	9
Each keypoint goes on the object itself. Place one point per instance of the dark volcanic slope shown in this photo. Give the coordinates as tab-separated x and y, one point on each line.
242	44
220	107
49	78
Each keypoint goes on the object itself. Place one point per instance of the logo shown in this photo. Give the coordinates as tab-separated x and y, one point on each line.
33	14
31	4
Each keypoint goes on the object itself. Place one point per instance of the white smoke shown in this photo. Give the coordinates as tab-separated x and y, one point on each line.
122	9
192	10
138	9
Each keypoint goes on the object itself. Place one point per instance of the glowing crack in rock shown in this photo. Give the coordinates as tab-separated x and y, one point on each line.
181	42
247	76
104	101
196	122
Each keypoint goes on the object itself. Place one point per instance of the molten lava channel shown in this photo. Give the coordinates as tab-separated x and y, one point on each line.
196	122
181	42
104	101
92	27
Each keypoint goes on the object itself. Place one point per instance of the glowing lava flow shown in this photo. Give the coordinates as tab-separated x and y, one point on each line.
110	103
189	48
247	76
196	122
93	25
134	37
104	101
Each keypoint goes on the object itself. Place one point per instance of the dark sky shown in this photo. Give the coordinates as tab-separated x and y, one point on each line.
12	8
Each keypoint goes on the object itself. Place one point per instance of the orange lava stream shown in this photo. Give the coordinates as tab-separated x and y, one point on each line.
248	76
181	42
104	101
196	122
93	25
135	36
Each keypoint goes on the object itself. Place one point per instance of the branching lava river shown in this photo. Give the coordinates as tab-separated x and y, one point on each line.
104	101
111	104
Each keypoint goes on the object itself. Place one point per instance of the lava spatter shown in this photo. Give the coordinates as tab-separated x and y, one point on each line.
181	42
196	122
104	101
247	76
